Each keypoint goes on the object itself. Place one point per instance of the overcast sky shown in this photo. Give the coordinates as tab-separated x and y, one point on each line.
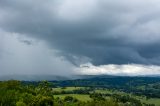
63	37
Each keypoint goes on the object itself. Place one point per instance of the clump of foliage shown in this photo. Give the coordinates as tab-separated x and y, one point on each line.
14	93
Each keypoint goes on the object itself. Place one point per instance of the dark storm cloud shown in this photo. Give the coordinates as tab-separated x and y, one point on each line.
99	31
26	42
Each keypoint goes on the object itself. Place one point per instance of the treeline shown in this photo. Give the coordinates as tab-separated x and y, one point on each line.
109	81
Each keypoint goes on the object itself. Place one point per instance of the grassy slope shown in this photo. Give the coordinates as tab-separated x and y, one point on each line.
67	88
155	101
84	98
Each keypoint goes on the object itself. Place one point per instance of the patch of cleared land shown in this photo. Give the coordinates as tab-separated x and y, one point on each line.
80	97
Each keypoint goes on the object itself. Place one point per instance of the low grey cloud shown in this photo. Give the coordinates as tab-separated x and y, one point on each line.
96	31
120	70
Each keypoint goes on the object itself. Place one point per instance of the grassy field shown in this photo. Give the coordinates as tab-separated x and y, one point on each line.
107	91
155	101
67	88
80	97
85	97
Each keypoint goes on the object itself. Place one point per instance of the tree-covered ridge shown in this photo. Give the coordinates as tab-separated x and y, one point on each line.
17	93
147	86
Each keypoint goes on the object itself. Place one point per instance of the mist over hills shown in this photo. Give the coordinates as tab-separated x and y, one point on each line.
33	77
62	78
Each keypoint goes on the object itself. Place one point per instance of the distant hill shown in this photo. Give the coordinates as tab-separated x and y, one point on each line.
34	77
